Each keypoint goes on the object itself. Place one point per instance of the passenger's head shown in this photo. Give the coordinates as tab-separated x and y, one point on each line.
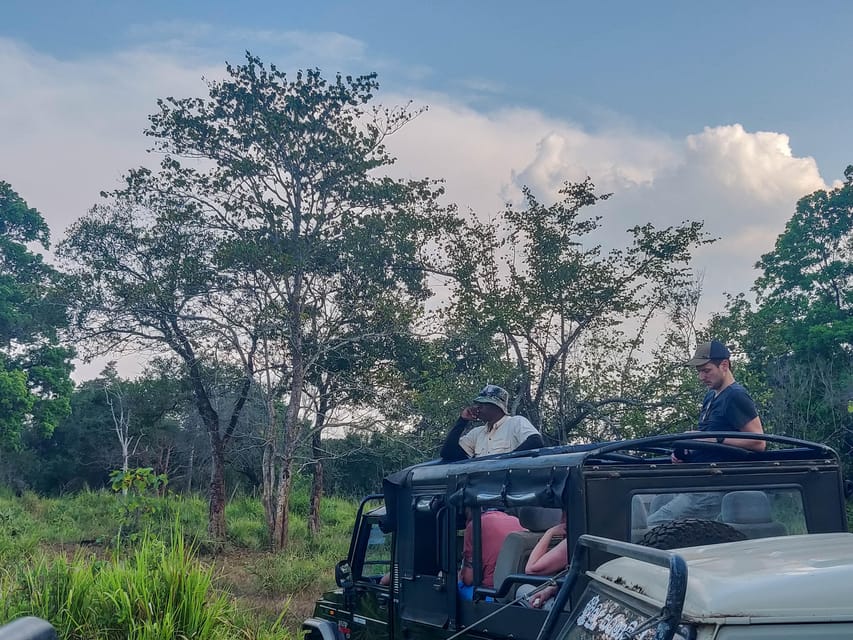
492	403
712	364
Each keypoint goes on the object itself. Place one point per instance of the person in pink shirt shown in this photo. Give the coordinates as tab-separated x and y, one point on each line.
495	527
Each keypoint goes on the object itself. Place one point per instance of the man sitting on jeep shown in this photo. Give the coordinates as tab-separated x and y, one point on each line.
502	433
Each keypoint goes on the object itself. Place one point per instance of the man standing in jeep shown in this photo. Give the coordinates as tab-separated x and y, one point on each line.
502	433
726	407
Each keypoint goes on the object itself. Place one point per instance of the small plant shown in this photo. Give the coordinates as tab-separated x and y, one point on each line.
136	485
138	481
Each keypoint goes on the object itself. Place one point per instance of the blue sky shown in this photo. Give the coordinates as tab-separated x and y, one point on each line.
727	112
673	66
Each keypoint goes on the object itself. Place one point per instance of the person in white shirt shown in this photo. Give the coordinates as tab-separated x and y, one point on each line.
501	432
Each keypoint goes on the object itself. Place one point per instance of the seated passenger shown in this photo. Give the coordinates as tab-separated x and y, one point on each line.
495	526
545	561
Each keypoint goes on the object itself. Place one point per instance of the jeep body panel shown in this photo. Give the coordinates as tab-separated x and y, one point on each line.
804	578
782	588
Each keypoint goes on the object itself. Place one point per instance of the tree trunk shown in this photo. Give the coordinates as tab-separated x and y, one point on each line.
282	513
268	480
190	466
291	439
216	508
316	485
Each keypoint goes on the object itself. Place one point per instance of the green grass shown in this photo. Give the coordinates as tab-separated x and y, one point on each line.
159	591
100	566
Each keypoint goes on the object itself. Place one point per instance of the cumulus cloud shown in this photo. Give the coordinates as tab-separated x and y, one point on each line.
759	165
743	185
70	128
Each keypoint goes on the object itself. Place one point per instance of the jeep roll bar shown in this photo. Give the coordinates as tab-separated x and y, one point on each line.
657	443
666	622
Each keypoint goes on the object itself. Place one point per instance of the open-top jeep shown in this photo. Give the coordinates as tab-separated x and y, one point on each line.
399	577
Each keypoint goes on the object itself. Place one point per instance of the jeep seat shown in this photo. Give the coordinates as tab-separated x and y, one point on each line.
517	546
639	519
749	512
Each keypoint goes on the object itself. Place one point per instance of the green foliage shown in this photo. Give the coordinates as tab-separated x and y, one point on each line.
138	481
34	369
798	337
135	504
101	595
568	317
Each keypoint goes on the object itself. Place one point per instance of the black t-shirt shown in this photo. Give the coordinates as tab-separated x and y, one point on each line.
728	410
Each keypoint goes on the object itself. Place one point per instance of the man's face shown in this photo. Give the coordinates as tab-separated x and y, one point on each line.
712	375
489	412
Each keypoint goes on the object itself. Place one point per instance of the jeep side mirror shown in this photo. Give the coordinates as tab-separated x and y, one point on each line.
848	489
343	575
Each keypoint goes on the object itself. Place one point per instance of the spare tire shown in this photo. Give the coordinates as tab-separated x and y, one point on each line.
690	532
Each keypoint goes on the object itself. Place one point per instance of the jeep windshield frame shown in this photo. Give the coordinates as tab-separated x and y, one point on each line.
667	620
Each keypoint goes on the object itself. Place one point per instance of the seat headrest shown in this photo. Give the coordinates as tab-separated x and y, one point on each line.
538	518
747	507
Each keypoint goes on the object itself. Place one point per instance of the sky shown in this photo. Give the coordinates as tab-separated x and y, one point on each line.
726	112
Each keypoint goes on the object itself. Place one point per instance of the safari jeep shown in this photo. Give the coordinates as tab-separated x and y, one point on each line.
785	588
399	577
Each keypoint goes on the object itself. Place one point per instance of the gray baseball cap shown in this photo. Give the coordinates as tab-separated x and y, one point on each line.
707	351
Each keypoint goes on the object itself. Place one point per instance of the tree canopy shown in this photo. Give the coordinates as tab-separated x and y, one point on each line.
35	384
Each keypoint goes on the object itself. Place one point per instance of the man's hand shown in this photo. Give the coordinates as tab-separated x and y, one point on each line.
471	413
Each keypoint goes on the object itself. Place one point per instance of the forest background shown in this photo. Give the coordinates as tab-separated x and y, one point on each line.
308	321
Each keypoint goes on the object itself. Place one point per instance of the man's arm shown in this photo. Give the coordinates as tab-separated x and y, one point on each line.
743	416
451	450
525	434
753	426
533	442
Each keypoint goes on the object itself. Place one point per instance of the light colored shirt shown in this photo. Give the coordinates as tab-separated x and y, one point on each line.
505	436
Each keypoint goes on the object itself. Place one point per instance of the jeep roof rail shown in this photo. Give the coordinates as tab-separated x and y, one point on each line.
666	621
661	441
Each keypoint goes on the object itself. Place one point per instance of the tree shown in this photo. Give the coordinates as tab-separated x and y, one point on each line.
281	248
798	335
148	278
35	369
807	280
572	318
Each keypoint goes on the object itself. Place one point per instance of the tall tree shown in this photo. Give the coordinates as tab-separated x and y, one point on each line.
148	278
807	280
296	237
35	369
573	318
798	335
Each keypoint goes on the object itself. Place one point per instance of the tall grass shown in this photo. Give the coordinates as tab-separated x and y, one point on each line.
160	591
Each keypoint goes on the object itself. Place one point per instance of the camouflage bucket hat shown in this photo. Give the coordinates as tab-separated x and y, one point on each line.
493	394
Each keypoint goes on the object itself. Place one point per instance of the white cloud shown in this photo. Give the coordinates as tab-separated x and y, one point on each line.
70	128
743	185
757	165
